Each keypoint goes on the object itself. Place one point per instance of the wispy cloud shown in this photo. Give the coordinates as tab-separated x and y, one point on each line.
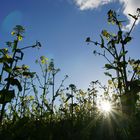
91	4
129	6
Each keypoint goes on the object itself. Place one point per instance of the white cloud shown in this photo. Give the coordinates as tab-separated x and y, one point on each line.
129	6
91	4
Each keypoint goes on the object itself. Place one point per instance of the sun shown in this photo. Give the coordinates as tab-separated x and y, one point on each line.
105	106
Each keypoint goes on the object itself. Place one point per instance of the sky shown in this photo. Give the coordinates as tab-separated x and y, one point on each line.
62	27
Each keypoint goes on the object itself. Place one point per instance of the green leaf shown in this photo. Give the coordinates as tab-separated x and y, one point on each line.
137	62
123	53
127	39
6	59
122	64
9	44
119	36
6	96
134	86
14	82
7	68
108	66
108	74
4	51
102	42
1	60
28	74
19	29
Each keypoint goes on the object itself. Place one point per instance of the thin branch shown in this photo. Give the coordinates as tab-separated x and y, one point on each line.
97	43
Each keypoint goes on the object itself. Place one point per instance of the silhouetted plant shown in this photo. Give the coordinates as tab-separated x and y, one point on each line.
38	108
9	75
115	51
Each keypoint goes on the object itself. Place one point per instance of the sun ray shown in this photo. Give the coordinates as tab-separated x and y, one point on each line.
105	106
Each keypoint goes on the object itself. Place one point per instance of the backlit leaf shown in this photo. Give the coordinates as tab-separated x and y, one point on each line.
6	96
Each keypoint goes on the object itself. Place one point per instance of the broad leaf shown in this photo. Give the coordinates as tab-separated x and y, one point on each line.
14	82
126	40
28	74
6	96
7	68
6	59
108	66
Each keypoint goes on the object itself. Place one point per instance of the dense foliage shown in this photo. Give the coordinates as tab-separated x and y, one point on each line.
33	109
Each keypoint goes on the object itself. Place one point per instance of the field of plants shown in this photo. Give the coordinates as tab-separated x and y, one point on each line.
31	108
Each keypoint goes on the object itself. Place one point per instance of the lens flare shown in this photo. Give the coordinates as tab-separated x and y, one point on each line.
105	106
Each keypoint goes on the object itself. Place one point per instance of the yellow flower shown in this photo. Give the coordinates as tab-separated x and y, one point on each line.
8	56
31	97
43	59
105	34
19	38
25	67
5	49
77	109
110	13
110	82
13	33
82	93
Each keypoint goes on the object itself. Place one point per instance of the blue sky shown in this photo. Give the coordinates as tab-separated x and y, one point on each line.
62	27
